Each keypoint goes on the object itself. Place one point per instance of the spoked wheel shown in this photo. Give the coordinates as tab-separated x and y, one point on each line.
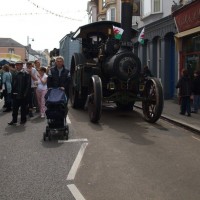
95	99
152	103
76	100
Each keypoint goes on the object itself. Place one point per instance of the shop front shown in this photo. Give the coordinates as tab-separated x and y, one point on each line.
187	39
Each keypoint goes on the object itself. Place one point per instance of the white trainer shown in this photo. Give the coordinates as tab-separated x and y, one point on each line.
42	116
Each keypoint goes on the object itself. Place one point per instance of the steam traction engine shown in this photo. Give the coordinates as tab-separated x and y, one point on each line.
107	70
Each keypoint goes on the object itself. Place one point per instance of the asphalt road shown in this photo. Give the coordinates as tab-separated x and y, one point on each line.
121	158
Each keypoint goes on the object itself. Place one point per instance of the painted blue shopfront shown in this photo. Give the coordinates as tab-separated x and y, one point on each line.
159	53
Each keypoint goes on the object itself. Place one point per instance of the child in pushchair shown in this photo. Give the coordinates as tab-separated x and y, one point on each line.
56	104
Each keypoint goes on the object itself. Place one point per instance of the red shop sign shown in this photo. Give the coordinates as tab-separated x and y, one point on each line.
189	17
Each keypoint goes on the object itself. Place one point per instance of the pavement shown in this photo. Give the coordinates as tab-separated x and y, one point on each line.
171	112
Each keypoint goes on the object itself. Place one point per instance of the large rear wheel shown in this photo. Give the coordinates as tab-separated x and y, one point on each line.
76	100
95	99
153	100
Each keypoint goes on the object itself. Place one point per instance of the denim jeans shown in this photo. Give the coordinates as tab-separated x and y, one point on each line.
196	102
8	100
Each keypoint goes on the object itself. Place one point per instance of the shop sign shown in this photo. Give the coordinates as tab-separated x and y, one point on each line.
188	18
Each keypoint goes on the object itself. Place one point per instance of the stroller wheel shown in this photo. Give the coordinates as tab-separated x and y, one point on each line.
44	136
65	134
50	137
67	128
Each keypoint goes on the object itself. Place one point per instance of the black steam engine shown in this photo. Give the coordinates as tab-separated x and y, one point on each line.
108	71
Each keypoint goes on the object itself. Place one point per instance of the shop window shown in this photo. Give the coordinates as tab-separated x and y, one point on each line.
191	43
196	42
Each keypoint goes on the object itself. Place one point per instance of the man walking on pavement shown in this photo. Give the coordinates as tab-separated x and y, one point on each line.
196	91
185	90
20	88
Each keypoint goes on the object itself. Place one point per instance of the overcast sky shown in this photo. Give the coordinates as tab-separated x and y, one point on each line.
47	21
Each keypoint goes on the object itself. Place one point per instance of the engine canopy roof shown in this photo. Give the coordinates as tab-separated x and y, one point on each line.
103	28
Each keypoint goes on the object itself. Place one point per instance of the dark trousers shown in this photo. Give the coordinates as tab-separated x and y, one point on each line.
8	100
22	104
185	105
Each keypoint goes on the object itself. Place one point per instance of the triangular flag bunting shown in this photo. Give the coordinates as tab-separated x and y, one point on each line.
118	32
141	37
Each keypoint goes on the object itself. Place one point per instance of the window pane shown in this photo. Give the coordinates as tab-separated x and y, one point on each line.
112	14
103	3
146	7
156	5
108	15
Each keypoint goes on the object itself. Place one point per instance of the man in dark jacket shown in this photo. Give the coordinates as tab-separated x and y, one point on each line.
185	90
20	87
58	76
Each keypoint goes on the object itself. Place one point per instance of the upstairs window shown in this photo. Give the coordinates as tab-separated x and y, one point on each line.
103	3
156	6
151	7
11	50
111	14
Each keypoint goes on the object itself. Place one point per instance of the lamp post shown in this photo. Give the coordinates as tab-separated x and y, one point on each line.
28	46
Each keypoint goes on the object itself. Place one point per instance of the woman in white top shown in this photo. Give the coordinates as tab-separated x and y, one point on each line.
41	90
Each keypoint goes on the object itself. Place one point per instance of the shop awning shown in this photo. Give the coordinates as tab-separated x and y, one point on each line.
10	57
188	32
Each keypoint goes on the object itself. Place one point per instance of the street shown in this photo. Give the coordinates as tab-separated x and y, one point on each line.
121	158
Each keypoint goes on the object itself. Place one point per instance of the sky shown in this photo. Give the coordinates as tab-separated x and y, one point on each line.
44	21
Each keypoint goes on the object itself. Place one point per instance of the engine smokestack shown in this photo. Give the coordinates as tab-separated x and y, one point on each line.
126	21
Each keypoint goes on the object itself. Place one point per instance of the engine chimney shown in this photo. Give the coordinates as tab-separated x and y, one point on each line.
126	22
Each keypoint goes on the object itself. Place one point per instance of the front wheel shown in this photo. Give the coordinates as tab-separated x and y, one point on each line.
153	100
95	99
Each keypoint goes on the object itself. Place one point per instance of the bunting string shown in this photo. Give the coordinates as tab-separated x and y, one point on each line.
18	14
53	13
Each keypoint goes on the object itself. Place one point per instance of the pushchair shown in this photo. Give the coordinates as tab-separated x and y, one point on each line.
56	112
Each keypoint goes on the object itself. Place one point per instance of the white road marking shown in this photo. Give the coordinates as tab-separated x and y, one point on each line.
196	138
76	163
73	140
75	192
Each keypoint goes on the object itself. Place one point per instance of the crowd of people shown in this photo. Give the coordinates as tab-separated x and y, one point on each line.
24	86
189	92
